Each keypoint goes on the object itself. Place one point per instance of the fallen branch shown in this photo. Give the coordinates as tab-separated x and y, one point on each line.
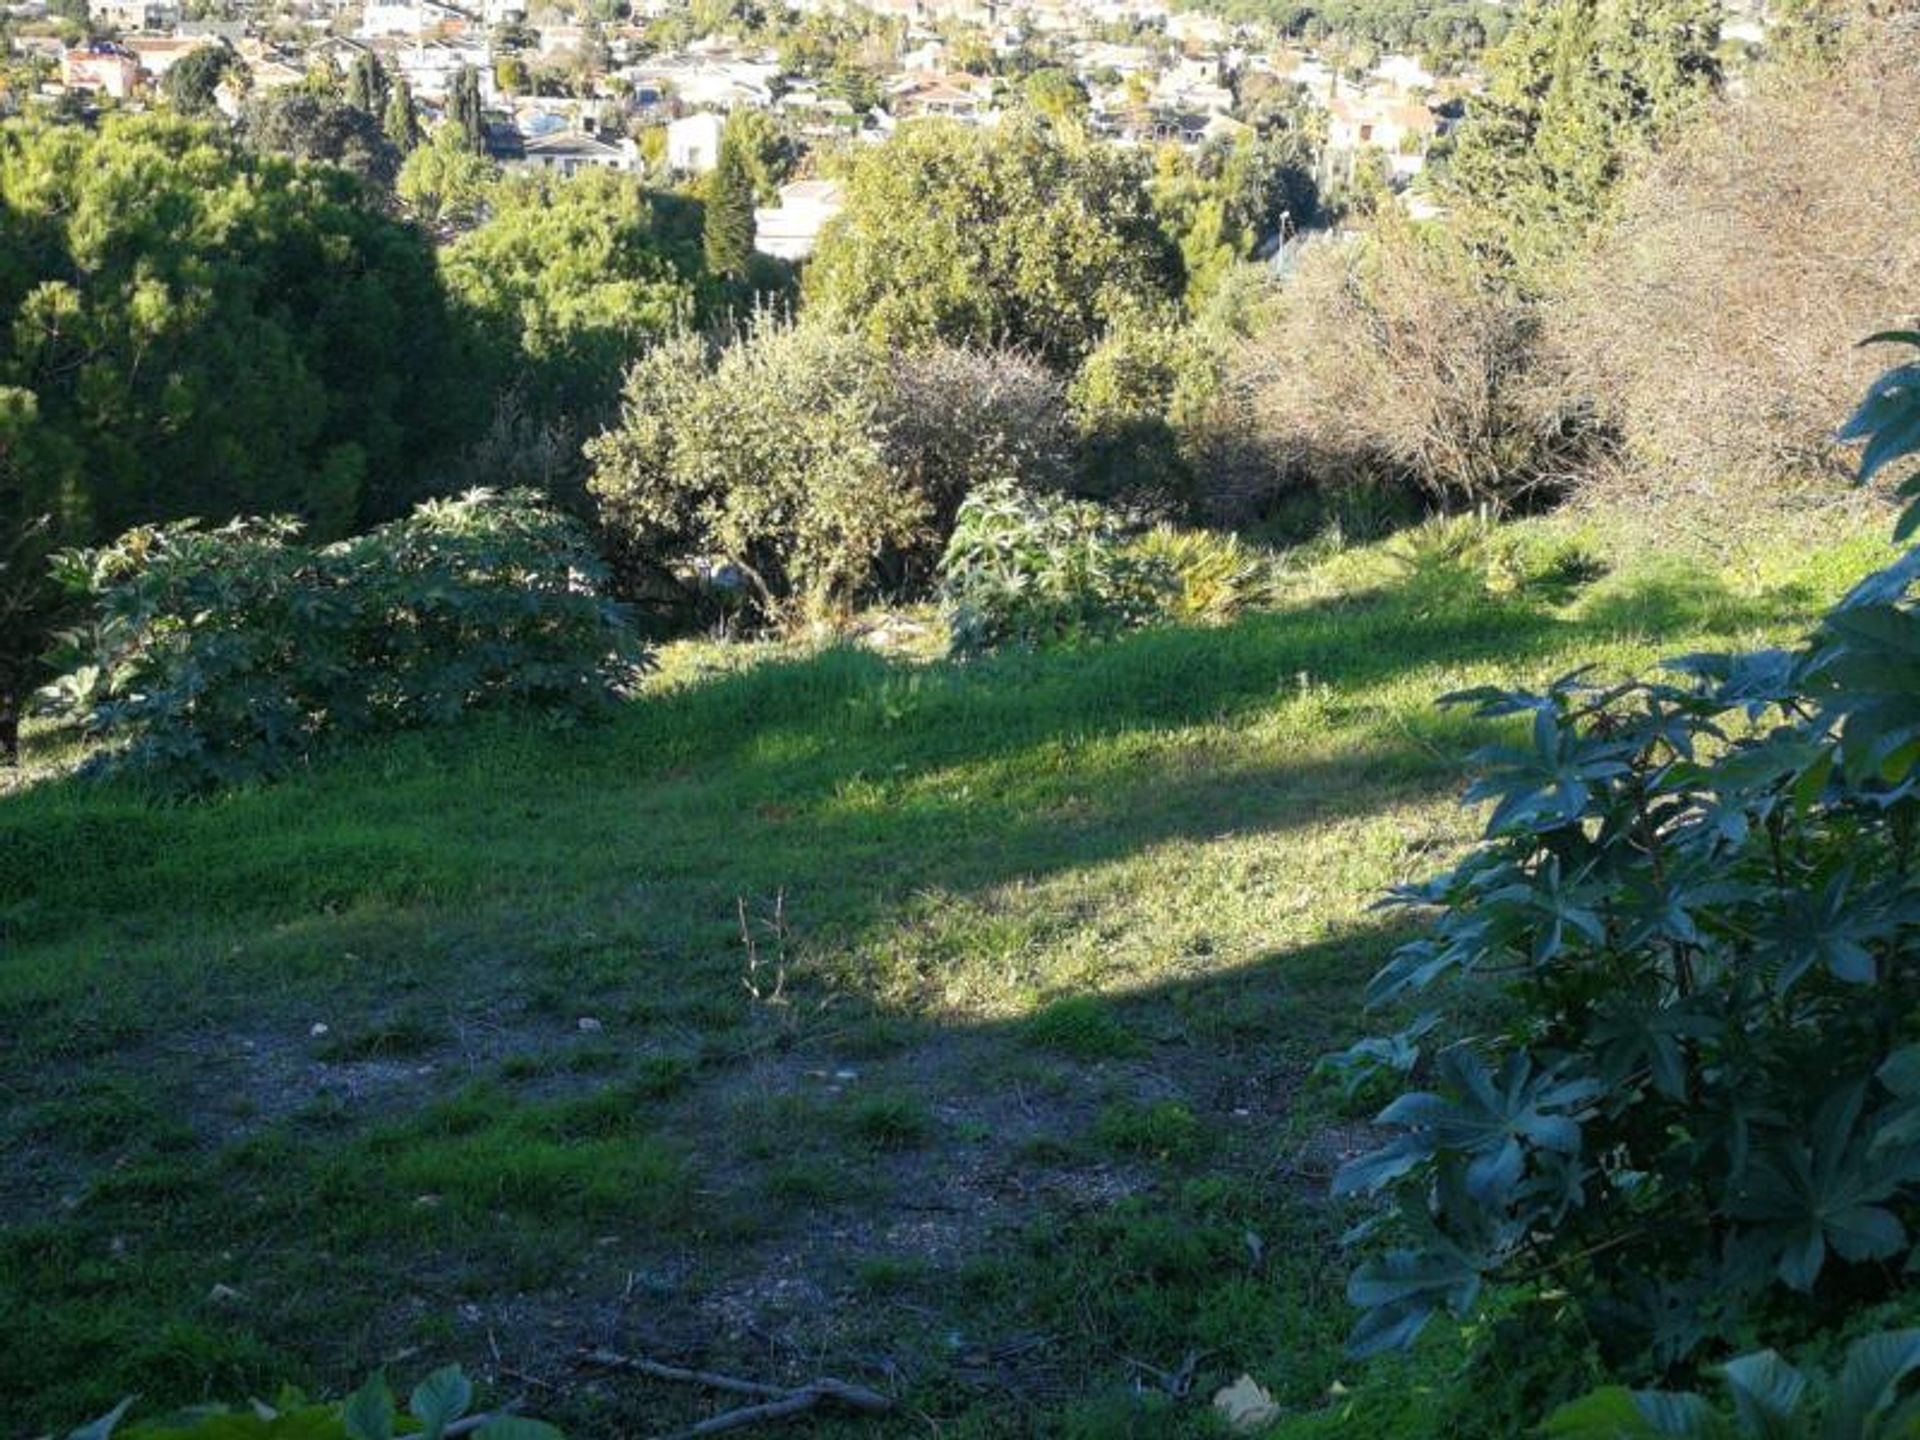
777	1402
467	1424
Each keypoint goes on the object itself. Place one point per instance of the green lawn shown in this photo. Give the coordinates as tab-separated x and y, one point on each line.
1006	1110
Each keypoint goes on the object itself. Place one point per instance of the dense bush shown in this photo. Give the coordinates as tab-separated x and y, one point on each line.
1719	340
193	330
956	417
1395	360
1030	569
809	466
1698	901
1138	402
1012	236
767	463
571	277
1576	91
232	654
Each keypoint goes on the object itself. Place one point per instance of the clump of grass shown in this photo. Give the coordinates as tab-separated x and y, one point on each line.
400	1037
1165	1130
661	1077
885	1273
810	1181
103	1115
890	1122
1084	1027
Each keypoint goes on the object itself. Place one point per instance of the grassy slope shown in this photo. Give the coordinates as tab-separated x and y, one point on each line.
1055	941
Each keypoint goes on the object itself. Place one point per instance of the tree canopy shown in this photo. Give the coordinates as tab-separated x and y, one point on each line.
195	330
1012	236
574	275
1577	88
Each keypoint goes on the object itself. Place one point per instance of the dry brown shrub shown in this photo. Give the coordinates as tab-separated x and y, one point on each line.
1717	323
1393	360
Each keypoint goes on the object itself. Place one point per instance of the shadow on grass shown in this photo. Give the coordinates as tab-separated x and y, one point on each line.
973	774
506	874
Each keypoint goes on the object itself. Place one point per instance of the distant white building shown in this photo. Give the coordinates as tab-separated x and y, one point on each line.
134	14
383	18
1404	72
693	144
430	67
568	152
790	230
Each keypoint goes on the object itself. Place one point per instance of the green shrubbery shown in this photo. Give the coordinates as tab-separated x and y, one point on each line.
1029	569
438	1406
1698	901
1870	1399
807	468
231	654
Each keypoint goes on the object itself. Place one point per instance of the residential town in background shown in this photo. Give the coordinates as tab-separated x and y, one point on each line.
648	88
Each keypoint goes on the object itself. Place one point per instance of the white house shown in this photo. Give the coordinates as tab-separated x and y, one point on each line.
134	14
790	230
568	152
409	18
693	144
429	67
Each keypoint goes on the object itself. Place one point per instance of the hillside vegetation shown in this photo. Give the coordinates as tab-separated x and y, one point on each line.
644	806
797	1013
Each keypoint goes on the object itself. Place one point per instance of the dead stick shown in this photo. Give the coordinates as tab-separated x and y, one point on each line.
797	1402
779	1402
690	1377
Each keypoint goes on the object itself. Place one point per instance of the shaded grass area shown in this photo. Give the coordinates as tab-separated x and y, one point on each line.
946	1026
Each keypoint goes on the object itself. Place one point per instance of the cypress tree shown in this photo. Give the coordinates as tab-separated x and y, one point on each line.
728	232
464	108
401	124
367	87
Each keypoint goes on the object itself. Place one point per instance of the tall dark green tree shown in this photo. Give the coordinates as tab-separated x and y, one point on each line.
367	85
301	125
190	82
235	334
401	122
728	235
1575	90
465	110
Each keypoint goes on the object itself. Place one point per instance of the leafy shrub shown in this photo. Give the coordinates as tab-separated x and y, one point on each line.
1035	569
810	465
436	1406
767	462
1137	401
232	654
1871	1399
1210	577
1699	903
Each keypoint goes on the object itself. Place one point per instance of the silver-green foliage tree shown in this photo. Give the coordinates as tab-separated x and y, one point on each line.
769	459
810	465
